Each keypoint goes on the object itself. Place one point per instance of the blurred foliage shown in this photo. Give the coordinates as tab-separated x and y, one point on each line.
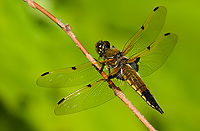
32	44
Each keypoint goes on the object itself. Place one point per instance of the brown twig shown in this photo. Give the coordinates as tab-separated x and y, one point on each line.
116	90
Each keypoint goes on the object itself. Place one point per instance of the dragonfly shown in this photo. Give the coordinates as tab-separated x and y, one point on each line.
142	55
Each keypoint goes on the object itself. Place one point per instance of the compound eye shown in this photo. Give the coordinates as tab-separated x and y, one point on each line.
99	46
107	45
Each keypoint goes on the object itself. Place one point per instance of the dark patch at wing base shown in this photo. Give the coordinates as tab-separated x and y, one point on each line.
135	65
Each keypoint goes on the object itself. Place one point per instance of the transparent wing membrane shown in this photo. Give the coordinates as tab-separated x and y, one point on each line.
147	33
68	77
89	96
156	54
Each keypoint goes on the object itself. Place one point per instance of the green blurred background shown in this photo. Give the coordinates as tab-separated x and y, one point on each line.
31	44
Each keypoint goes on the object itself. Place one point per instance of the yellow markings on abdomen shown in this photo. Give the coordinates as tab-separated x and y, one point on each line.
135	82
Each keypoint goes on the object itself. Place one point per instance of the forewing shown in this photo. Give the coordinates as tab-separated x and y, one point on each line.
147	33
68	77
153	57
87	97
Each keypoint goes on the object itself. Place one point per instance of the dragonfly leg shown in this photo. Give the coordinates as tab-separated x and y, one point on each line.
117	75
112	76
96	60
103	65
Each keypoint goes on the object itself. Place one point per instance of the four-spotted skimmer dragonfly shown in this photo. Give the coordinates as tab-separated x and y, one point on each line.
144	55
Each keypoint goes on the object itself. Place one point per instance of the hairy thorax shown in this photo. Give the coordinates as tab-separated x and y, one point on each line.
115	58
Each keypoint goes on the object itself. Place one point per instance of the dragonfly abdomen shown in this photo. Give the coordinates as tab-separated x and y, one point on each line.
134	80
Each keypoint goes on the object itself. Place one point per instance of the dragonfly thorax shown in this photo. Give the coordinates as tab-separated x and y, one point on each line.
119	60
114	57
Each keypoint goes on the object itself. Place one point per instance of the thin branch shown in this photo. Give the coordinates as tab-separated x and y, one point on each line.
116	90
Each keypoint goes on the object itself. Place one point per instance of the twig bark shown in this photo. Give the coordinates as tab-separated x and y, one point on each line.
116	90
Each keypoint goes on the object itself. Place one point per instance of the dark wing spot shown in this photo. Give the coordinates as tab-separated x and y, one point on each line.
148	47
142	27
166	34
155	9
61	101
89	85
74	68
45	73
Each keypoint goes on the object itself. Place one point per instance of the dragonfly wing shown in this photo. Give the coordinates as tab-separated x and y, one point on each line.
68	77
147	33
155	54
87	97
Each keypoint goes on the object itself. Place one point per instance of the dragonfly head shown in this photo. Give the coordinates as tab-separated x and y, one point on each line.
102	47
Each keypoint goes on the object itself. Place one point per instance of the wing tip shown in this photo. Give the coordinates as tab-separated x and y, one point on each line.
156	8
58	110
163	8
166	34
172	35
